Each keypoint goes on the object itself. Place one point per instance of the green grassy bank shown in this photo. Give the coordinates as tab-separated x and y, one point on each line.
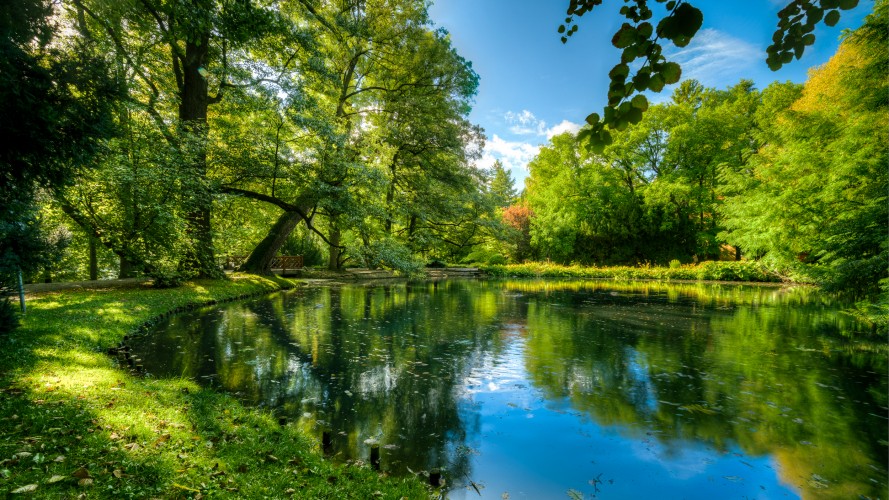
710	270
74	423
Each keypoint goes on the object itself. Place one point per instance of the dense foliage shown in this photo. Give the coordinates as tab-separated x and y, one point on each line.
168	138
793	176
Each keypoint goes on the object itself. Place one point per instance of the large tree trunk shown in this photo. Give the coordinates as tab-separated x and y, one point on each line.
260	260
199	258
334	263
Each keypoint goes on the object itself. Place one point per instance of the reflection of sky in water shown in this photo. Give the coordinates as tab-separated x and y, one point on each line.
531	447
538	394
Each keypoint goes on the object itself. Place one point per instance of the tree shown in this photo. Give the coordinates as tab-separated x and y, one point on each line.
502	186
55	97
814	198
184	58
639	39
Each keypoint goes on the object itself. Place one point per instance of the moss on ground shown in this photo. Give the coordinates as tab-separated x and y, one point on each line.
72	422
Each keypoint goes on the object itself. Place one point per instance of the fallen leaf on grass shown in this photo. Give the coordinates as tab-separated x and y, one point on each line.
85	482
59	459
162	439
118	473
55	479
25	489
82	473
186	488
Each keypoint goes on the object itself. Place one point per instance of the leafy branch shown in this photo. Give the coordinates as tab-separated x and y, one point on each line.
638	40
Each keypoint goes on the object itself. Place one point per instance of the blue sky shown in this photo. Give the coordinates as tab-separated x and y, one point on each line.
532	86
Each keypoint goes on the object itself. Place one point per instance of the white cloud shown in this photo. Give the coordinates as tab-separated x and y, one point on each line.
525	123
514	155
565	126
715	58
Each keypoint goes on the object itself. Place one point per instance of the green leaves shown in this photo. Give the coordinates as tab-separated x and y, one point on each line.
681	25
638	39
796	24
671	73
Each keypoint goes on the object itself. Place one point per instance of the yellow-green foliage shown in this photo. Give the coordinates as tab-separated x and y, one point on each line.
72	422
715	271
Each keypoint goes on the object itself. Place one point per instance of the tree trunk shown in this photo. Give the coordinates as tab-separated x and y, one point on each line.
260	260
390	196
94	261
333	263
127	269
199	258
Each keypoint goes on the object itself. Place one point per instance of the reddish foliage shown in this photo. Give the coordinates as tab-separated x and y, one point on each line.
518	216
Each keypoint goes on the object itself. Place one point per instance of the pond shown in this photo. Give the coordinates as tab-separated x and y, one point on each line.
560	389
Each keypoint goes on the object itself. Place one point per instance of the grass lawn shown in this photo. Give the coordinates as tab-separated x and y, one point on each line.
72	422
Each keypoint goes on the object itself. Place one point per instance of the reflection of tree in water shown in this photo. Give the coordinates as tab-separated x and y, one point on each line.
745	374
384	362
730	366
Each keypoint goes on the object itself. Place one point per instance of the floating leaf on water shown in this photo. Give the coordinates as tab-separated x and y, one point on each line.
25	489
575	495
696	408
818	482
477	487
733	478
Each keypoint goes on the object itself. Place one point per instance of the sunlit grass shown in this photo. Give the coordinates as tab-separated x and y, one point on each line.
74	423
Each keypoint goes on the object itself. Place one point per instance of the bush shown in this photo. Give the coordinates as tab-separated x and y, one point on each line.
719	271
675	264
496	260
9	317
167	279
390	254
303	243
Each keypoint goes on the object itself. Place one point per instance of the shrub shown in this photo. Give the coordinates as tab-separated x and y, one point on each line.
9	318
675	264
497	260
718	271
163	278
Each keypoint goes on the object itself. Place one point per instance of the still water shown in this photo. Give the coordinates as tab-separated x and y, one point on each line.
560	389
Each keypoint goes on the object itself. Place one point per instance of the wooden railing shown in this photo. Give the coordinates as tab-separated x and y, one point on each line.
285	262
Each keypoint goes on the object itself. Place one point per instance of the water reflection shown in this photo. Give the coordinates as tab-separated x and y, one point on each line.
541	388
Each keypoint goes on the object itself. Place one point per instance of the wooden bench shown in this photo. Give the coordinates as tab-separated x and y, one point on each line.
285	262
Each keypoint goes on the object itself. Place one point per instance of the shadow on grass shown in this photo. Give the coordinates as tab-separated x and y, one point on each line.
72	423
